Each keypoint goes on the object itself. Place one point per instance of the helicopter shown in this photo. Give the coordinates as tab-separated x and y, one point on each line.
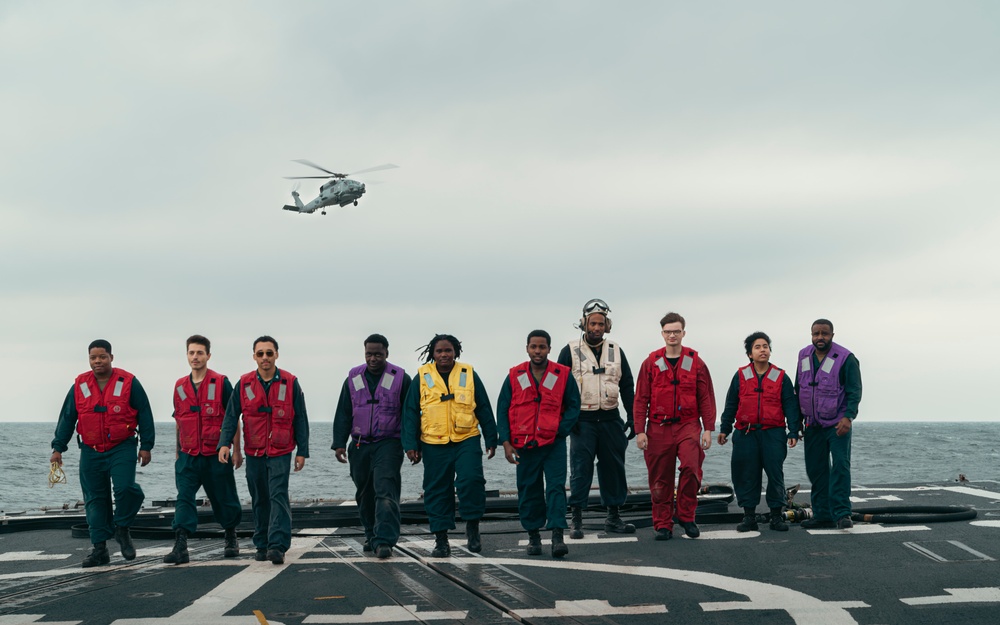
340	190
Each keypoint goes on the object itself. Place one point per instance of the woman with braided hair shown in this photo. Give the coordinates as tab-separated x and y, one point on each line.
445	417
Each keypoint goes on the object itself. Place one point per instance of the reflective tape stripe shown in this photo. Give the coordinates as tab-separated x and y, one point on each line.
428	380
806	365
84	389
611	353
550	380
523	381
211	391
387	381
687	363
281	391
181	393
119	385
773	375
357	382
463	378
827	365
661	364
249	391
747	373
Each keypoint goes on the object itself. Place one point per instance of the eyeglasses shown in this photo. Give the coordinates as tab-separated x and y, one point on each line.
596	305
268	353
672	332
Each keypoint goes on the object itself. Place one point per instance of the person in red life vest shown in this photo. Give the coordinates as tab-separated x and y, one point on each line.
369	413
539	405
200	400
447	417
674	418
107	406
761	402
274	425
828	383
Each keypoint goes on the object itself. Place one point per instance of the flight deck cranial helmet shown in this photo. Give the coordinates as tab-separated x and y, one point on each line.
594	307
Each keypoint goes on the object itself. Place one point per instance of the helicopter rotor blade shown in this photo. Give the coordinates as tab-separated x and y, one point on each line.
315	166
305	177
376	168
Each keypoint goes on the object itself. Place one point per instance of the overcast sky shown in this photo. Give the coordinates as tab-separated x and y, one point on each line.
752	166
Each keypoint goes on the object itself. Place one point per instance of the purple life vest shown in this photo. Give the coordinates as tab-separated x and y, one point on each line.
376	417
822	398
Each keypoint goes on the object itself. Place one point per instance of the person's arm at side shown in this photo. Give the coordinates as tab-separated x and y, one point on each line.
343	419
484	414
790	406
565	358
640	405
147	429
626	391
64	427
227	394
300	424
503	421
729	411
410	426
850	379
706	404
233	411
570	408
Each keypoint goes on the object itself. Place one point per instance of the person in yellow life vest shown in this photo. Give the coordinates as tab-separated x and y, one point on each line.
539	405
446	416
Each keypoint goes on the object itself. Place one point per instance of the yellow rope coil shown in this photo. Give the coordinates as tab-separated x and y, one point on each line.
56	474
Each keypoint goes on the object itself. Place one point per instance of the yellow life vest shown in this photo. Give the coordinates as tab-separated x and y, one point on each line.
447	412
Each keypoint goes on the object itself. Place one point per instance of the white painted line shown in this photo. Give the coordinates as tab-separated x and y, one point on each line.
964	547
13	556
26	619
985	523
924	551
958	595
872	529
317	531
348	503
388	614
724	535
588	539
975	492
883	498
588	607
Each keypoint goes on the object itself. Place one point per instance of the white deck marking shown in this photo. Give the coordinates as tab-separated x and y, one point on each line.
872	529
588	539
388	614
723	535
27	619
958	595
13	556
985	523
587	607
867	499
925	551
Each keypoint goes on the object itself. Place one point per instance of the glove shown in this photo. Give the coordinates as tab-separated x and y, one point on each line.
630	429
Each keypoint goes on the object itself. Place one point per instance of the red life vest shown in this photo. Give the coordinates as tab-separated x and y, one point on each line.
760	399
674	389
105	417
536	409
267	417
199	413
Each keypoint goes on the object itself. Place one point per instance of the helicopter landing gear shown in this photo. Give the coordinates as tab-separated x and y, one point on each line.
355	202
323	213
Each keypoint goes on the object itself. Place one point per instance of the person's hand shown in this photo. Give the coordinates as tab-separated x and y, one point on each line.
843	426
341	453
722	438
300	461
706	440
490	451
144	457
510	453
630	429
237	458
642	441
413	456
224	454
56	457
792	442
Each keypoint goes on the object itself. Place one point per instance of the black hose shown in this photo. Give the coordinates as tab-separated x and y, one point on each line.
914	514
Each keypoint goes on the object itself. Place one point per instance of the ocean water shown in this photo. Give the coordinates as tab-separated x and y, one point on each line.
882	453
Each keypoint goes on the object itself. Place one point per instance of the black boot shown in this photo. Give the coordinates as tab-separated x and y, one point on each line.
99	555
179	555
615	524
125	542
576	523
559	548
441	547
232	544
534	543
749	522
475	543
778	521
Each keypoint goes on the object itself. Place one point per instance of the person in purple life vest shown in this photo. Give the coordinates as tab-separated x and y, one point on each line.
107	406
538	407
369	413
828	383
